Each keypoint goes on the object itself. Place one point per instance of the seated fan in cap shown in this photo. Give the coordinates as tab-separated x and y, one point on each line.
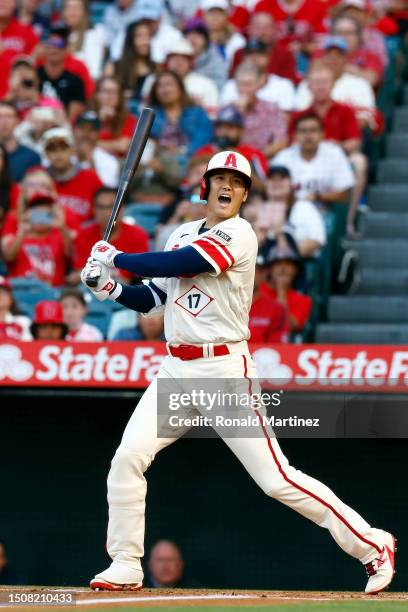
48	322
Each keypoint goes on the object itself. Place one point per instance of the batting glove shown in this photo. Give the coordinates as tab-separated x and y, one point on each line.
106	287
105	253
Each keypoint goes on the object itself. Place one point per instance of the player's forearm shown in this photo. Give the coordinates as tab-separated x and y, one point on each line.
139	298
184	261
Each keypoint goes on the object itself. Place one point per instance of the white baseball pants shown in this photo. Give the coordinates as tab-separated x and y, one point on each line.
261	457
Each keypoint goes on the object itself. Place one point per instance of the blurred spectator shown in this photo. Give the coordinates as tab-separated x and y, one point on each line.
179	127
75	310
282	215
117	17
117	124
16	39
186	209
320	170
281	61
267	317
164	35
165	566
76	187
48	323
13	325
201	89
361	62
265	126
340	125
90	154
38	121
21	158
222	33
28	14
86	43
283	268
373	40
24	88
349	88
298	23
148	328
207	59
135	65
272	88
125	237
8	190
228	130
57	80
7	574
36	240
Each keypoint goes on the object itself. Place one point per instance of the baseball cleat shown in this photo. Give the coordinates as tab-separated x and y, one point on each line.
98	584
380	571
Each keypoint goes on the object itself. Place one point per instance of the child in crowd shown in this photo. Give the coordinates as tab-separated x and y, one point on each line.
74	312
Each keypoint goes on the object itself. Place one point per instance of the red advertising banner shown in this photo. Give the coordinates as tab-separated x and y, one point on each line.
134	365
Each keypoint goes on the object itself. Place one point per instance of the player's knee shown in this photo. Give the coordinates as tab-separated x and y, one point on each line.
127	464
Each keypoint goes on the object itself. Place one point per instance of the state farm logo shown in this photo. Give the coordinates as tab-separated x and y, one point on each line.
12	365
270	368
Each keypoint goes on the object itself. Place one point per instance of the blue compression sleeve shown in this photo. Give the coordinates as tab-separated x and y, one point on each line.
164	264
141	298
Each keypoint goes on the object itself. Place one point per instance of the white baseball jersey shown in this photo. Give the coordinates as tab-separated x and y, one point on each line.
211	307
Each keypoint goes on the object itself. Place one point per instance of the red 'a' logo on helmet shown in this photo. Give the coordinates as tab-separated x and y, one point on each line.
231	160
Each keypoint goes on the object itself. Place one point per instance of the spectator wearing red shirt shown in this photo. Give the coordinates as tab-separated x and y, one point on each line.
298	21
117	123
125	237
13	325
8	189
282	62
36	241
267	318
284	266
57	79
228	130
340	125
76	187
16	39
361	62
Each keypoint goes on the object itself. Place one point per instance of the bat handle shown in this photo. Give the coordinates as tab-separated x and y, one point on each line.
91	282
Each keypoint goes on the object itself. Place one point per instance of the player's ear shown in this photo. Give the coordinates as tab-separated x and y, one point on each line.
244	199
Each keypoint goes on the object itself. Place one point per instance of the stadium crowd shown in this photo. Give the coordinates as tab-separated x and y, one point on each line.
291	84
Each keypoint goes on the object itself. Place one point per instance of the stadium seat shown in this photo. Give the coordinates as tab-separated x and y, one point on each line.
29	291
392	198
145	215
362	333
392	170
368	308
99	314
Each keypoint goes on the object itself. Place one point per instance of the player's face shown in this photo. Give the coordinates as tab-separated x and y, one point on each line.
227	194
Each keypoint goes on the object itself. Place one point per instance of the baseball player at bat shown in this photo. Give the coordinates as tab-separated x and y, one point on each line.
204	281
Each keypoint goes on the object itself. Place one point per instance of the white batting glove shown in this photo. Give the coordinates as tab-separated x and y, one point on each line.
106	287
105	253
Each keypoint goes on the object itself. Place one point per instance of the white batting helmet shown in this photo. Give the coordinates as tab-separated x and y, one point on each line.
226	160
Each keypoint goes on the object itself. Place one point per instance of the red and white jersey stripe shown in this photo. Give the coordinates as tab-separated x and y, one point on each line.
214	306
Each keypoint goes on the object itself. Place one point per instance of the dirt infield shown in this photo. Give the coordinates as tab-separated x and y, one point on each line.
203	599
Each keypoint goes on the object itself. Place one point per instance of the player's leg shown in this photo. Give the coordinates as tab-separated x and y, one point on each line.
268	466
127	489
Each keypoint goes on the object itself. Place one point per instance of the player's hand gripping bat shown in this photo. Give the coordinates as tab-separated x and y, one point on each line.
131	164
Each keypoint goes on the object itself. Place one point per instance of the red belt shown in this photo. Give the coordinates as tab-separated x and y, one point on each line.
186	352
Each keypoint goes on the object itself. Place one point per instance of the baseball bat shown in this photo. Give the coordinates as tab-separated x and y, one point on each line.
135	152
